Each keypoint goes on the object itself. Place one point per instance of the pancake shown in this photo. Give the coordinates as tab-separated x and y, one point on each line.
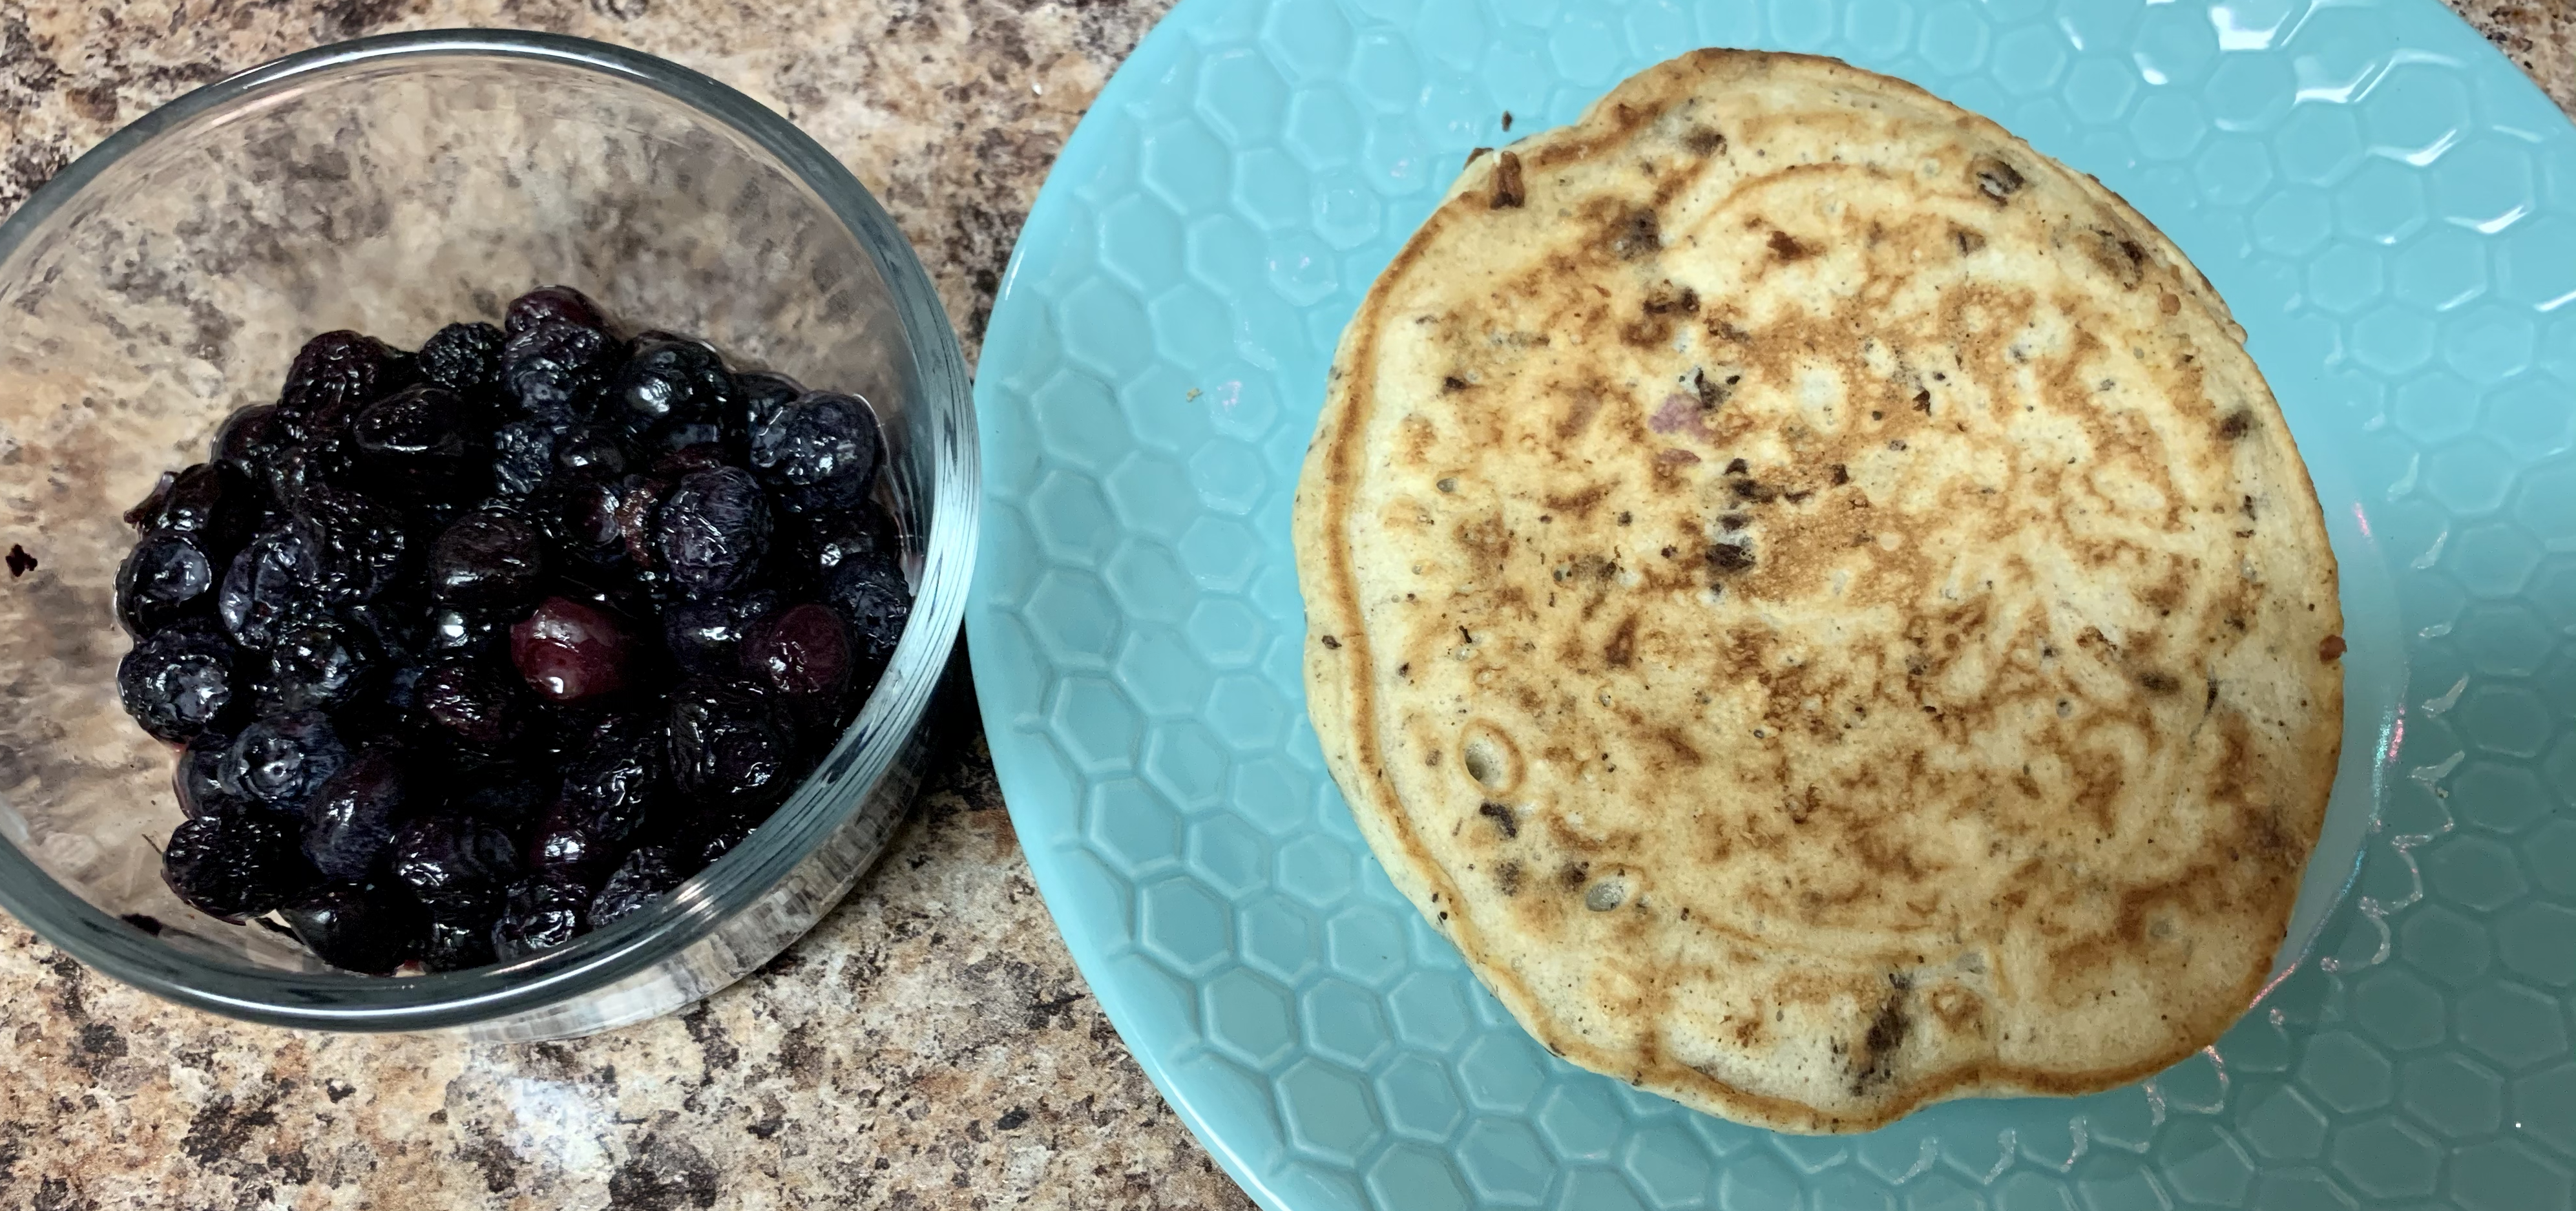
1813	598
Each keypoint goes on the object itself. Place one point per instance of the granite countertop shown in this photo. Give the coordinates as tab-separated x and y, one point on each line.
930	1044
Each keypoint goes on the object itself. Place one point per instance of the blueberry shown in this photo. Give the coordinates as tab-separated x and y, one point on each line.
179	682
581	514
421	437
452	945
352	816
463	632
541	913
280	760
249	440
234	863
457	865
473	703
368	928
213	504
873	600
595	451
556	370
639	508
267	589
323	461
198	779
324	663
802	655
831	539
731	745
355	546
706	636
464	358
523	455
564	846
712	531
614	778
333	375
636	883
552	304
167	576
726	836
505	794
820	452
674	383
569	651
763	394
492	560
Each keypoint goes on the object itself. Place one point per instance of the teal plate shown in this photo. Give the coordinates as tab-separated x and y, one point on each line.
2389	206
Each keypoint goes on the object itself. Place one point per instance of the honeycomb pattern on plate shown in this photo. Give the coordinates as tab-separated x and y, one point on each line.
2388	206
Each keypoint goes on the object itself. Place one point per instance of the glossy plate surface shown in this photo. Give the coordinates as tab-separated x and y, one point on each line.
2387	204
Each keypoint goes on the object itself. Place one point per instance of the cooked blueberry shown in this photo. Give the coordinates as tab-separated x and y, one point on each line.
523	455
352	816
448	629
763	394
614	777
874	601
676	463
356	545
597	451
552	304
266	589
323	461
212	503
473	703
712	531
453	945
165	577
505	794
198	781
492	560
144	513
820	452
179	681
325	663
421	437
249	440
356	927
541	913
569	651
801	654
333	375
337	577
464	358
706	636
235	862
280	760
639	508
392	622
581	514
731	745
832	539
635	884
558	370
457	865
564	846
723	839
626	598
671	381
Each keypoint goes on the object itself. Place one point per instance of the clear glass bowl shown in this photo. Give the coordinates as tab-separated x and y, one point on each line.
392	185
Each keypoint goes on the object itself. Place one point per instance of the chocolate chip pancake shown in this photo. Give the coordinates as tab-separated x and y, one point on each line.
1813	597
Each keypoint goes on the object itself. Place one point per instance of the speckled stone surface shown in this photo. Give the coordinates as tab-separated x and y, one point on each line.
930	1045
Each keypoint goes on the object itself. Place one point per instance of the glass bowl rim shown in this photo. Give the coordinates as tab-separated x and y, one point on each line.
842	783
